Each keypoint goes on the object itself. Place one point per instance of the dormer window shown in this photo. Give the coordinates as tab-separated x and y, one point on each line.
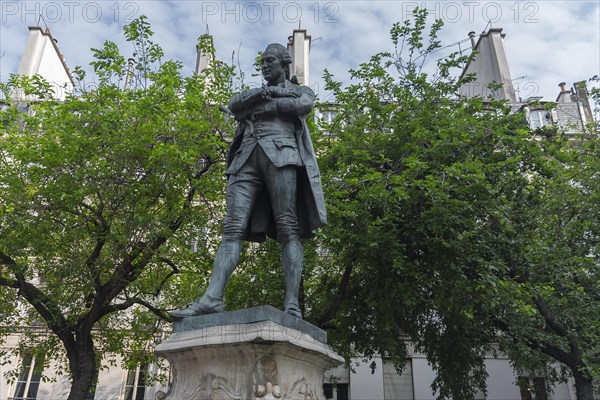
539	118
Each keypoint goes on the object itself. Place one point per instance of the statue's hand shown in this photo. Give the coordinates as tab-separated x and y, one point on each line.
247	99
277	91
264	109
256	95
253	93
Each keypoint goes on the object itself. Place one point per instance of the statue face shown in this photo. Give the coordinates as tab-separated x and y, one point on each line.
272	69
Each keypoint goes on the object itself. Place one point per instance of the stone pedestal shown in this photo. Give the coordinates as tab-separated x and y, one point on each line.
257	353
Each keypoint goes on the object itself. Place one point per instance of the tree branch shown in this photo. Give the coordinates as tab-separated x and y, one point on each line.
207	164
571	359
334	306
132	266
97	213
135	300
91	261
174	270
11	283
552	322
42	303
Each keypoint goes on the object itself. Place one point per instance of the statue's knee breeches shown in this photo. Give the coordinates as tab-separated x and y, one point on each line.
282	192
242	190
257	177
287	228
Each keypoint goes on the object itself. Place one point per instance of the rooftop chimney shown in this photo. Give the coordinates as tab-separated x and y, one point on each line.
205	51
472	36
130	63
299	48
563	87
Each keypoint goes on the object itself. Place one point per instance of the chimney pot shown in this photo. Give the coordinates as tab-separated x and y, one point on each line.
472	36
563	87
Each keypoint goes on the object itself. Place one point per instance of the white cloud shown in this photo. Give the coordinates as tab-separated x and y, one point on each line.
548	42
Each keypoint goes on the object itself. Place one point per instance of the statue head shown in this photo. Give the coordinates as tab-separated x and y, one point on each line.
275	62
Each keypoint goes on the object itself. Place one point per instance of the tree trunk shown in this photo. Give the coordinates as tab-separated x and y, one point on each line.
83	368
584	387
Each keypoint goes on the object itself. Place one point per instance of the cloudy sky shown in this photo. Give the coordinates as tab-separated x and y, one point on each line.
546	41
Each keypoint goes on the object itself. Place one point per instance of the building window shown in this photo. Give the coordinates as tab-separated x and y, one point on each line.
324	119
29	378
328	116
337	391
135	383
532	388
539	119
395	386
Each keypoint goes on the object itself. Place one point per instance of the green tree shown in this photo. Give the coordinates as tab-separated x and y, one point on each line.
105	198
452	227
548	245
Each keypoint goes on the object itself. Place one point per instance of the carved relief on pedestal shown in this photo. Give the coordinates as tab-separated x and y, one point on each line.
266	381
211	384
301	390
211	387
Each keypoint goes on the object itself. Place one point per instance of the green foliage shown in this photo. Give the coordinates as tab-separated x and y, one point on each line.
103	196
595	96
22	86
257	64
451	227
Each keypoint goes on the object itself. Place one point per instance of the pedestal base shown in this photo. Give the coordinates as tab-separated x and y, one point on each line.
257	353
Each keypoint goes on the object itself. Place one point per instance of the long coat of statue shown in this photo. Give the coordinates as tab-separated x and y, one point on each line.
310	199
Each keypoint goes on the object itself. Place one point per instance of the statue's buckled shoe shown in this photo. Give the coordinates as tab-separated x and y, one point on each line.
293	309
198	308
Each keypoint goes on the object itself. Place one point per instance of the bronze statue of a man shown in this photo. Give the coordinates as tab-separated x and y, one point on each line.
274	187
